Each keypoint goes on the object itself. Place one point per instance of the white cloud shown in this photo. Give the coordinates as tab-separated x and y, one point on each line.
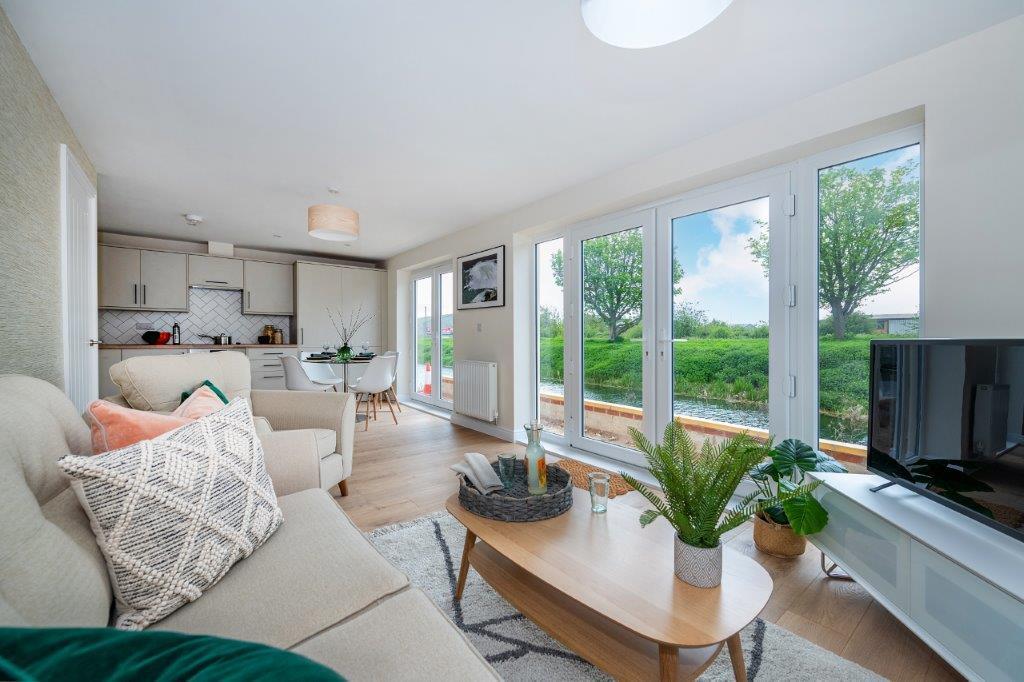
728	266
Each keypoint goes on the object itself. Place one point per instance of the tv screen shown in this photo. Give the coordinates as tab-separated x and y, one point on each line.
947	419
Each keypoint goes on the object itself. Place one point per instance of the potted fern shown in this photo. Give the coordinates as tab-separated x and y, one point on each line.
698	485
780	529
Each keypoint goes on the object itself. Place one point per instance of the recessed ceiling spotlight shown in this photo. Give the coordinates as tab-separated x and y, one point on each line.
192	219
334	190
632	24
275	235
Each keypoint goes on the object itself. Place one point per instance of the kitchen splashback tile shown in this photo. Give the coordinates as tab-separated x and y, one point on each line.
211	311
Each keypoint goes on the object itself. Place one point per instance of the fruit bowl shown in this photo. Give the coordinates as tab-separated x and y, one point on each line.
156	338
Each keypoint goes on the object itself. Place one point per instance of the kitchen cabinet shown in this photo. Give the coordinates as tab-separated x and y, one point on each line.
269	288
363	291
214	272
119	273
164	278
108	357
267	370
318	289
138	279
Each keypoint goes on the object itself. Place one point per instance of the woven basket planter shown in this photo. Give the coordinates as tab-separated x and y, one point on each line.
517	504
777	540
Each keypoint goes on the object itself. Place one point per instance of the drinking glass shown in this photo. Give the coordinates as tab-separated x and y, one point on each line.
507	468
600	483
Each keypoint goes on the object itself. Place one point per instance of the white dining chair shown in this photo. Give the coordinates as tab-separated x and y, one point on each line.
308	376
375	382
393	354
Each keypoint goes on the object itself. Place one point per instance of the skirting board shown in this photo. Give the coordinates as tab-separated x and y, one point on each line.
490	429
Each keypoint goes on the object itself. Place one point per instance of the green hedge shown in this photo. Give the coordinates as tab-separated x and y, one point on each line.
729	369
423	351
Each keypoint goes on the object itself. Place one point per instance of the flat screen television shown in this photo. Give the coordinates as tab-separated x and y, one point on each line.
946	419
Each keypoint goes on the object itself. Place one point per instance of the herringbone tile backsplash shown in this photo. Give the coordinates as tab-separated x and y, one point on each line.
211	311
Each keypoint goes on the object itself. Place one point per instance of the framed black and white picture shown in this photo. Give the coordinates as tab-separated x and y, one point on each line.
482	279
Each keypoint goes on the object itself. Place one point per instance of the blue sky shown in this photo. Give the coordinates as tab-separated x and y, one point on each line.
721	278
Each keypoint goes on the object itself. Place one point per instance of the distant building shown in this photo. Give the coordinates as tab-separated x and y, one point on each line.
900	323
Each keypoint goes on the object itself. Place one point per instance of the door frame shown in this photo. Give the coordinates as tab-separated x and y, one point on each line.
434	273
71	171
776	186
572	251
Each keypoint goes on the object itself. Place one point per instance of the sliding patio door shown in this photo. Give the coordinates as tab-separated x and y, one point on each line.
433	338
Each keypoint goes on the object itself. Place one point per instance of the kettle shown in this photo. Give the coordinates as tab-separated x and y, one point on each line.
219	340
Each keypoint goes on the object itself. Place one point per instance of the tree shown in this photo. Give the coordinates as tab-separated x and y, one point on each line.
687	320
613	279
549	323
868	236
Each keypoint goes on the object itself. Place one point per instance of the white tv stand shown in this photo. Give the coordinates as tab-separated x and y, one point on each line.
956	583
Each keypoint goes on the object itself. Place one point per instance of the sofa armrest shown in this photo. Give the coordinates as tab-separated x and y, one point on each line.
309	410
292	460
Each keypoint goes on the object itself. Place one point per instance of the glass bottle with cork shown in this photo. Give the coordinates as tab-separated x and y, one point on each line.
536	465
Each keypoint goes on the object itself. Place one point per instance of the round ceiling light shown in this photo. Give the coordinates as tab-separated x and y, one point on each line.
648	23
333	223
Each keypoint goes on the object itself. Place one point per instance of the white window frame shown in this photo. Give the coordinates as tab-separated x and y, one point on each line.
549	436
434	274
793	340
804	348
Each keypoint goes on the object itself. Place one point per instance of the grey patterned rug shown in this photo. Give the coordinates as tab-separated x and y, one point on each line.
429	549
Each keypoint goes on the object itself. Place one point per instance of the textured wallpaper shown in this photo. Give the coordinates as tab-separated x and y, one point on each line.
210	311
32	129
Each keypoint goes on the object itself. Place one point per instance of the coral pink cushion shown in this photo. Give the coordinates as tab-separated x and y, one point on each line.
202	402
116	427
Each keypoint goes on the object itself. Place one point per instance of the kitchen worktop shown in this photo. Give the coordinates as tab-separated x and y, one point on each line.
190	346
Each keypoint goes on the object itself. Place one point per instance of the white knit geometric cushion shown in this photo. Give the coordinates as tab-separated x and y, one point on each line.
174	513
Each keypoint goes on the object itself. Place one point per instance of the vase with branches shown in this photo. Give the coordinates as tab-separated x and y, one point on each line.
347	329
697	486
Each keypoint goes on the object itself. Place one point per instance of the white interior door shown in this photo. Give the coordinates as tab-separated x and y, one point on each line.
79	282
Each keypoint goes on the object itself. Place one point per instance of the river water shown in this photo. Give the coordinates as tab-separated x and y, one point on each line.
739	414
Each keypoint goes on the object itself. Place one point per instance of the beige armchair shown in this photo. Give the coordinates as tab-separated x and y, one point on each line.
306	437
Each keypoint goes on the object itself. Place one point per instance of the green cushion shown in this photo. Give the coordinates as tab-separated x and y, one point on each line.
108	654
220	393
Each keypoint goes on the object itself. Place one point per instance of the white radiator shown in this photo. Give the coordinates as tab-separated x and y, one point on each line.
476	389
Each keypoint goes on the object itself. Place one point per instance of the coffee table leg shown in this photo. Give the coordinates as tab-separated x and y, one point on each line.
668	659
464	566
739	668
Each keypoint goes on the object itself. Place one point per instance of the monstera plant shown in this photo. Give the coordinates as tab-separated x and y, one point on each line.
779	528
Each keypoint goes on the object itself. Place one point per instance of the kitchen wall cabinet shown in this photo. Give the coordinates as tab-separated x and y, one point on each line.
363	291
318	289
164	279
138	279
214	272
269	288
119	273
343	290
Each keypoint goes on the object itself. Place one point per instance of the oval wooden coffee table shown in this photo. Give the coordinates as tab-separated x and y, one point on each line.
604	588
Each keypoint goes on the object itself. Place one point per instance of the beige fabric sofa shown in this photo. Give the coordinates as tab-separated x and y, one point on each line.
307	438
317	587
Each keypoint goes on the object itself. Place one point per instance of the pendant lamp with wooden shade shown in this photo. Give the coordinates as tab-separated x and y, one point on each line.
333	223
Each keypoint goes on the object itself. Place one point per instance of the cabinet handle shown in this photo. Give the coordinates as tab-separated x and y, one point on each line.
275	376
215	281
272	364
273	352
135	293
248	297
143	294
302	336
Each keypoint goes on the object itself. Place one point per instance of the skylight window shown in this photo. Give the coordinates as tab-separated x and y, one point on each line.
637	24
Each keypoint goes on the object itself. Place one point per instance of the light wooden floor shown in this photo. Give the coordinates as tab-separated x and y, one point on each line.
401	472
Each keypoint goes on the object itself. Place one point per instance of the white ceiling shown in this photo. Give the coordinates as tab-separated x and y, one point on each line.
429	116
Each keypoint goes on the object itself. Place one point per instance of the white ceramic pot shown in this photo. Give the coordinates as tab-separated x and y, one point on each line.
698	566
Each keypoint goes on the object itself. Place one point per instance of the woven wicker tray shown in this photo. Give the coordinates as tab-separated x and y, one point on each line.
517	504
